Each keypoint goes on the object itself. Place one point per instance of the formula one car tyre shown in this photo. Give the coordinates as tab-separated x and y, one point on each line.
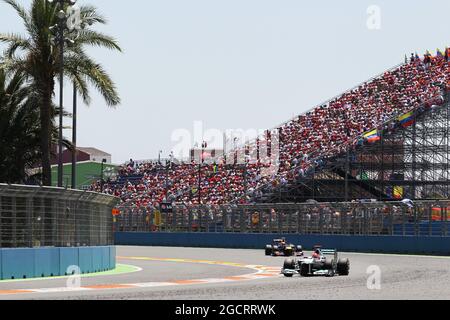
289	264
268	250
304	270
343	267
328	264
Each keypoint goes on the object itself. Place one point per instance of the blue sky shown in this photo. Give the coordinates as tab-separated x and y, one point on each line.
238	63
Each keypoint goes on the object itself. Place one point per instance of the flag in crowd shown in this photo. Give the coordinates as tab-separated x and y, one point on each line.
372	136
398	192
407	119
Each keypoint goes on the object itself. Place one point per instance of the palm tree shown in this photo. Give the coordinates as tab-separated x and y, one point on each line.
19	128
36	57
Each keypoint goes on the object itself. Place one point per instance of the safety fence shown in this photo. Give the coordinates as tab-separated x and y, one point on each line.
421	218
52	217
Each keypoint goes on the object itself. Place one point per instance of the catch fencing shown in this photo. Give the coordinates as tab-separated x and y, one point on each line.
52	217
421	218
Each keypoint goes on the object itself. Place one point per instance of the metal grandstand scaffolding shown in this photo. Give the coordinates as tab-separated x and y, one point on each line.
411	162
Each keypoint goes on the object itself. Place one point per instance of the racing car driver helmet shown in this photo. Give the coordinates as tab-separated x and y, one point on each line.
316	253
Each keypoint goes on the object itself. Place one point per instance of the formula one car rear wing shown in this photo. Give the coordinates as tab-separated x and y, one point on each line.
330	252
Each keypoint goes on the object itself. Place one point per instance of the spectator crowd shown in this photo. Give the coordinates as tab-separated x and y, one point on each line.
304	142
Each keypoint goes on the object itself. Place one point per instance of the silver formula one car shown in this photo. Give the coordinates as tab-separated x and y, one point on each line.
319	264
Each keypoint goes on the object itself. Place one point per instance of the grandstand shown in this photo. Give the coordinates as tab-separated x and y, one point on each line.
386	139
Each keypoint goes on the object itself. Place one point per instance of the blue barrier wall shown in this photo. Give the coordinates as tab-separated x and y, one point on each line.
381	244
66	258
85	256
105	252
112	257
45	262
97	261
18	264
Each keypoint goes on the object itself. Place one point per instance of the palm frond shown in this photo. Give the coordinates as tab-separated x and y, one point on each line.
92	38
19	128
22	14
19	9
12	38
15	42
14	65
97	76
30	66
82	87
90	15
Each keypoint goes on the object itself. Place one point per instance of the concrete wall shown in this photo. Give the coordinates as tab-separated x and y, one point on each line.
48	262
382	244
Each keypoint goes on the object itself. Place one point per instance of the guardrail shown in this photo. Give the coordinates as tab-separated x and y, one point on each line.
348	243
421	218
52	217
25	263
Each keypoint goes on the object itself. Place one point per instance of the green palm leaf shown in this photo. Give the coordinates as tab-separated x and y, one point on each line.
36	59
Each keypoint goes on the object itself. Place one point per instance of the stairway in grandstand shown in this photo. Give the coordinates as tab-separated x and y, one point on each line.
360	183
411	162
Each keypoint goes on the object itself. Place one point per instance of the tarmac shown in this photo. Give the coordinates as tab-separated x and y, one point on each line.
160	273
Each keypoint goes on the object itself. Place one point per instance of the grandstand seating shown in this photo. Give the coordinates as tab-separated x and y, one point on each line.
305	142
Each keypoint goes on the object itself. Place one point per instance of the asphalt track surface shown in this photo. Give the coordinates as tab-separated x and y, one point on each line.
402	277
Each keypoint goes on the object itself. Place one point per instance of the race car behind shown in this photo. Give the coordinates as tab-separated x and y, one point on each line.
280	247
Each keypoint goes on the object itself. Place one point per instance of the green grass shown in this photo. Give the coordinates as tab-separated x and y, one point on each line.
120	269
